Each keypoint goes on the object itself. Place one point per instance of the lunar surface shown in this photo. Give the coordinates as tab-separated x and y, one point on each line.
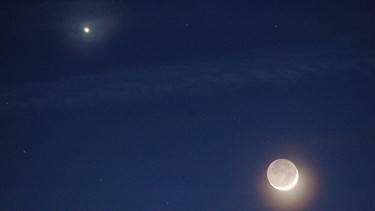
282	174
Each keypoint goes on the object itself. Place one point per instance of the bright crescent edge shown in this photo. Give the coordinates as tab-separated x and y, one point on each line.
289	186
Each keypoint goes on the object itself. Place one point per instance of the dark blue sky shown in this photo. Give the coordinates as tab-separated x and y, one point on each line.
182	106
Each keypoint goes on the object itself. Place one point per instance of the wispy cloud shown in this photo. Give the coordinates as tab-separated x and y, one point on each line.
127	84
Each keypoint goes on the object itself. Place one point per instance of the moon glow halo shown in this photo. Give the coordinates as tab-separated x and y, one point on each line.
282	174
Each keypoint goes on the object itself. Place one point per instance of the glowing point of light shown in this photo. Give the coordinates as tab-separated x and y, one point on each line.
86	30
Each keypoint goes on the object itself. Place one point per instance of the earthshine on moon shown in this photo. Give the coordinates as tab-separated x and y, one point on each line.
282	174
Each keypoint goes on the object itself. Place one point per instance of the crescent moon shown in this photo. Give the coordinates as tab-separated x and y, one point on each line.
294	183
282	174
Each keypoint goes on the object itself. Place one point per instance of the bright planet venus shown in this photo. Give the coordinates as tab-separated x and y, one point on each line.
86	30
282	174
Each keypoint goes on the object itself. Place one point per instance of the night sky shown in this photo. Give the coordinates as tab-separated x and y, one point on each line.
183	105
